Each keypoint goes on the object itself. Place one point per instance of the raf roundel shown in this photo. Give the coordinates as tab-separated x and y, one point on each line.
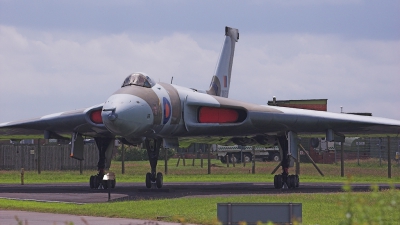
167	110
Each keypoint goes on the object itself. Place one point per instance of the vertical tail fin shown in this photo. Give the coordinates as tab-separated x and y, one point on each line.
221	80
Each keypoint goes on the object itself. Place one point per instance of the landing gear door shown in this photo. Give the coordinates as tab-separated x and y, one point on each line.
292	145
77	146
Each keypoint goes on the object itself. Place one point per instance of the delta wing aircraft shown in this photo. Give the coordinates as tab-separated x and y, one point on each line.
162	115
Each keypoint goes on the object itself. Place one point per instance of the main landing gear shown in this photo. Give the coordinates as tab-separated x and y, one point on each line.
291	181
153	151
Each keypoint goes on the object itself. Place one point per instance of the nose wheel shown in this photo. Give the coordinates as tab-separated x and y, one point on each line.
97	182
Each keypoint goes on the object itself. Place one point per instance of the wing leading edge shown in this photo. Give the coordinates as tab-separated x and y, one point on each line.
57	125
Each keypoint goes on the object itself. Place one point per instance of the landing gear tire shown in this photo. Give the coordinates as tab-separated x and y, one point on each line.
291	181
91	182
95	181
159	180
113	182
278	183
276	157
105	184
223	159
247	158
148	180
233	158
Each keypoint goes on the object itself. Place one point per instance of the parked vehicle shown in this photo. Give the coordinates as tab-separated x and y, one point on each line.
237	153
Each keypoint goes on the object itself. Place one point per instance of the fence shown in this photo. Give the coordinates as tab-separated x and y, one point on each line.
358	149
52	157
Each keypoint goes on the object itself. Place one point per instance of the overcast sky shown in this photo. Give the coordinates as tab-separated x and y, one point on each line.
64	55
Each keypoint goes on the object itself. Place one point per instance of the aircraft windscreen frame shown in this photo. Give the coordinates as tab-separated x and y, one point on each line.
138	79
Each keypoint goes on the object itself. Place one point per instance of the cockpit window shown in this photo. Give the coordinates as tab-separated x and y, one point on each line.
138	79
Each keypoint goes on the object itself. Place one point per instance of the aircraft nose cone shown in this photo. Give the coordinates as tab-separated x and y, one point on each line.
126	115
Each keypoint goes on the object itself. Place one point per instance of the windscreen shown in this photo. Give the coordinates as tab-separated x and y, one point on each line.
138	79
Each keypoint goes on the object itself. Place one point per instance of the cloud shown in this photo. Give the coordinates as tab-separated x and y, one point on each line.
358	74
47	72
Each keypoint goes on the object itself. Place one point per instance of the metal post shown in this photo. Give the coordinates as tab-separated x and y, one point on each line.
209	159
389	160
123	159
277	167
358	153
183	159
253	160
309	157
298	162
241	154
380	151
109	189
335	156
179	158
22	176
80	167
166	161
341	159
39	162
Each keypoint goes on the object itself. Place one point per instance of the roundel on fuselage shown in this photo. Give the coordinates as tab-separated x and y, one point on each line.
167	110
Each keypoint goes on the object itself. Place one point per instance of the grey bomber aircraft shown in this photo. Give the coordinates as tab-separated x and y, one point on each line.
162	115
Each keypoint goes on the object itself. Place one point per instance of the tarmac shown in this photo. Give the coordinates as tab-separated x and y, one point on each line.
80	193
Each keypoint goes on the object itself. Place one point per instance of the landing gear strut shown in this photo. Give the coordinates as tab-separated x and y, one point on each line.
153	151
292	181
96	181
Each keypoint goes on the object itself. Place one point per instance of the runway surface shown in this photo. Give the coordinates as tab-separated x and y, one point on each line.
80	193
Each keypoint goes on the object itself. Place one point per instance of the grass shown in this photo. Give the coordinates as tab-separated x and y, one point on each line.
317	208
333	208
369	171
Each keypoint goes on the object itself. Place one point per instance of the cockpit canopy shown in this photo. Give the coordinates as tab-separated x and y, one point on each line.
138	79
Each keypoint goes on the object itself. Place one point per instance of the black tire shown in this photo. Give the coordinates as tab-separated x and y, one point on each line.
233	158
148	180
113	182
291	181
223	159
159	180
91	182
105	184
247	157
278	184
96	181
314	142
276	157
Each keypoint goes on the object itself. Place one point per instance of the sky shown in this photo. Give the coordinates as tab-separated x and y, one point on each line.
63	55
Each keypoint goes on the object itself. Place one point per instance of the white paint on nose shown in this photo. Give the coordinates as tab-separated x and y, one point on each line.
127	115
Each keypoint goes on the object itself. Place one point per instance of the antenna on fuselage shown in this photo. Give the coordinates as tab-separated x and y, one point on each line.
172	79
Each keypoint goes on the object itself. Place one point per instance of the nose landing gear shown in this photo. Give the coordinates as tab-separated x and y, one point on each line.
153	151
